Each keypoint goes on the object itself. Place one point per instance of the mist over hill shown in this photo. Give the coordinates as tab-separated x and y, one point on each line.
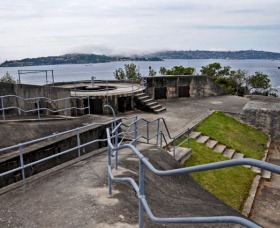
158	56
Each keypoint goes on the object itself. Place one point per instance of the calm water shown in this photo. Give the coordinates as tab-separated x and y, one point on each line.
104	71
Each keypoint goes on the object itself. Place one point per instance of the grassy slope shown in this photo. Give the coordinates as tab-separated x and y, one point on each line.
235	135
231	185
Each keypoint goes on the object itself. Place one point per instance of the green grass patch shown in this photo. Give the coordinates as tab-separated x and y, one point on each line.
235	135
231	185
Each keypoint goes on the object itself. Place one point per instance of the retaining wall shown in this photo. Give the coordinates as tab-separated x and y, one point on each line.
167	87
31	91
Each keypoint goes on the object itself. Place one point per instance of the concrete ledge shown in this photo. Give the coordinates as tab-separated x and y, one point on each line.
52	170
252	194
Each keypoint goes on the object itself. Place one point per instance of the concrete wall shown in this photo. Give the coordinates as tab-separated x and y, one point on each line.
264	116
31	91
197	86
262	113
50	148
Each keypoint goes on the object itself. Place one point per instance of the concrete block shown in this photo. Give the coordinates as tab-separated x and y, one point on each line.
202	139
195	134
238	156
220	148
256	169
229	153
211	143
265	174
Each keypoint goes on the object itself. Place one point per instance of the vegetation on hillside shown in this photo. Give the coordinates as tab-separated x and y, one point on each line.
238	82
130	72
7	78
231	185
235	135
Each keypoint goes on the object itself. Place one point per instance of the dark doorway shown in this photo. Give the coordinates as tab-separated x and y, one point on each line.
160	93
124	104
95	106
184	91
121	104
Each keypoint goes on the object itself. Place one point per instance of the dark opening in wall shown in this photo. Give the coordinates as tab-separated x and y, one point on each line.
160	93
184	91
96	106
124	104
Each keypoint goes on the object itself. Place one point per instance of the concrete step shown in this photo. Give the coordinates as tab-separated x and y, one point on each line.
159	110
156	106
140	95
265	174
229	153
182	154
211	143
220	148
202	139
238	156
195	134
256	169
144	98
151	103
147	100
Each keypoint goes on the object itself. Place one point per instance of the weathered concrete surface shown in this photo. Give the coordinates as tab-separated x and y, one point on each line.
14	132
31	91
266	210
182	86
188	112
77	196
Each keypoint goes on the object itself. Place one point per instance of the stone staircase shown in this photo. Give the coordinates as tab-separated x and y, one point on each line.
145	103
227	152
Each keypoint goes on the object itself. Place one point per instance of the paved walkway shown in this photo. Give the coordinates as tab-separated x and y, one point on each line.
266	210
77	196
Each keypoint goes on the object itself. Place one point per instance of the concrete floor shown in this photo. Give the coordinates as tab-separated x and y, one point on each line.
77	196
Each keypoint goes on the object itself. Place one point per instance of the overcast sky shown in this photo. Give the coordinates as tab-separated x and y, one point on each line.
33	28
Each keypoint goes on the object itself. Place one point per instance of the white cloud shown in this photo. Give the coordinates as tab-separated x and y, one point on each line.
32	28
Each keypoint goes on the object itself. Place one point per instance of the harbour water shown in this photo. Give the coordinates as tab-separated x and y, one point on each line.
104	71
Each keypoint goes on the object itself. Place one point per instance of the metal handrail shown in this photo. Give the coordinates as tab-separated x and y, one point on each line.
38	109
77	147
143	162
157	134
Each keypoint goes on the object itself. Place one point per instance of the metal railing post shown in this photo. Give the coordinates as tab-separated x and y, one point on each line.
148	133
38	108
88	106
79	143
135	131
141	194
109	169
160	139
189	146
157	131
22	164
65	108
3	111
174	146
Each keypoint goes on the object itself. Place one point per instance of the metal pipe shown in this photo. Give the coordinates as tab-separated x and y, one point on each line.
78	143
22	164
3	110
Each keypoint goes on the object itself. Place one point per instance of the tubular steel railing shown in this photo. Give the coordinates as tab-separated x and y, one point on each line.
158	134
78	147
38	109
139	188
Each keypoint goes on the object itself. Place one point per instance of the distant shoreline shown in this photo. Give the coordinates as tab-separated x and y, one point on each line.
159	56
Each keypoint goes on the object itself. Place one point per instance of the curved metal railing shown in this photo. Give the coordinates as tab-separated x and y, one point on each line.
143	205
38	109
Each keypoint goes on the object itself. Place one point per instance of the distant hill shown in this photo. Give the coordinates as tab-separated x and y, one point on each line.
249	54
159	56
73	59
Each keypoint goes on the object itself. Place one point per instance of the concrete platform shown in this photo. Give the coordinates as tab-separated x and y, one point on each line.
77	196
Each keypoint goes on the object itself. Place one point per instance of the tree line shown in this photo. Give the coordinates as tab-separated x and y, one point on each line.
236	82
